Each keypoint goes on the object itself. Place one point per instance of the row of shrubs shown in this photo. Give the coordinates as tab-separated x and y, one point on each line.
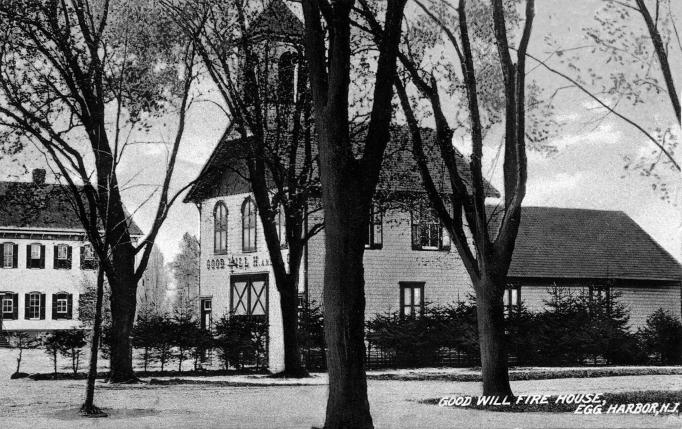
573	329
66	343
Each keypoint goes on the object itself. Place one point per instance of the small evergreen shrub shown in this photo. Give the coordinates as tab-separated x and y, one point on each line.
241	340
662	337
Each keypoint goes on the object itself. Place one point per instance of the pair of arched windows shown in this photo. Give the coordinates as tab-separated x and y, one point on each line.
249	224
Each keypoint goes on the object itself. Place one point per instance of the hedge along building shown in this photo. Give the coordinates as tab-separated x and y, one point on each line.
408	259
46	261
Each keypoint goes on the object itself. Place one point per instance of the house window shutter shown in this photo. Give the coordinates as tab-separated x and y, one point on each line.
42	256
2	255
27	305
55	316
15	262
55	263
69	306
69	254
42	305
28	257
82	252
15	311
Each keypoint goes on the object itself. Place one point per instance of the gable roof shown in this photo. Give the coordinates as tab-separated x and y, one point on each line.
27	205
277	21
225	171
578	243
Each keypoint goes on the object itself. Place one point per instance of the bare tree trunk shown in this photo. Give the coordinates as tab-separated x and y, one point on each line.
292	357
344	304
89	407
122	319
490	317
21	351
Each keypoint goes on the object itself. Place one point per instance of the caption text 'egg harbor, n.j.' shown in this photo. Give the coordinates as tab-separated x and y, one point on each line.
585	403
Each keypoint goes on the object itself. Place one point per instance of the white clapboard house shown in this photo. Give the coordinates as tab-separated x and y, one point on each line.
46	261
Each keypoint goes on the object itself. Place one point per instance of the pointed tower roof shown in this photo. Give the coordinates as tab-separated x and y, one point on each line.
277	21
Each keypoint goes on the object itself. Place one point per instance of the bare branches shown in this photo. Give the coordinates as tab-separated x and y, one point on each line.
628	120
662	54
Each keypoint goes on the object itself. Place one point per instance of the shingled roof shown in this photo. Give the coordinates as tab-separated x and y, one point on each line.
277	21
225	171
578	243
28	205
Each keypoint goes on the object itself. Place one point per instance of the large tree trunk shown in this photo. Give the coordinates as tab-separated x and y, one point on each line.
490	316
88	407
123	303
344	313
292	358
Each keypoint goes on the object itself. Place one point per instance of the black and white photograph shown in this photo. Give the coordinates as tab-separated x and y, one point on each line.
340	214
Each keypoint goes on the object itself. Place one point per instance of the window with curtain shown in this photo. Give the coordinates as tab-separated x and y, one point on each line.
411	299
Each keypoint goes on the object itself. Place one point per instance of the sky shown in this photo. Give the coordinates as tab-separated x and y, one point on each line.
587	170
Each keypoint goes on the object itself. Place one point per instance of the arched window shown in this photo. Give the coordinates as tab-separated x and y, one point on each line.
220	228
248	226
285	88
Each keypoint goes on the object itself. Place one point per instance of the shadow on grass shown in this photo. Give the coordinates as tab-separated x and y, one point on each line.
72	414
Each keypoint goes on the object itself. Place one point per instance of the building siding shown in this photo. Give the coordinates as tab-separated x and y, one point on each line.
47	280
444	276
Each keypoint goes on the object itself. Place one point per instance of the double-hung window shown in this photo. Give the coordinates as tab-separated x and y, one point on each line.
411	299
34	306
35	256
7	304
427	231
9	301
375	233
8	255
512	298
